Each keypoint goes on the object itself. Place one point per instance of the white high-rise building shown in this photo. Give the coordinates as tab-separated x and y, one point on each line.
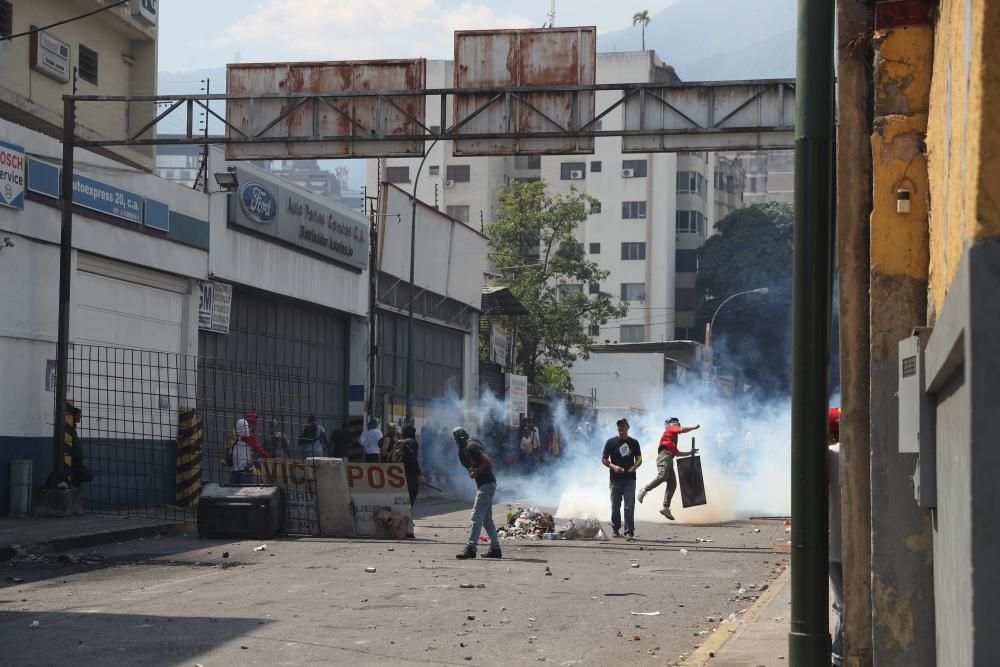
656	208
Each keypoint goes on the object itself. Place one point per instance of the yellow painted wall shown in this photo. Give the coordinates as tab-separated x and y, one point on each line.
963	137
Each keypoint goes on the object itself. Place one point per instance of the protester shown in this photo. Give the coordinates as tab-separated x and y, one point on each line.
836	540
622	456
474	458
312	440
536	441
370	441
242	457
388	441
665	462
340	442
251	439
406	450
276	443
79	473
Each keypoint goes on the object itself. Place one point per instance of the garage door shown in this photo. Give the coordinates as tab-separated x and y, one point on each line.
120	313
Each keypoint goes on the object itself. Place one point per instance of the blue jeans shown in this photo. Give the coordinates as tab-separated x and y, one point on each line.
482	516
309	449
623	489
237	477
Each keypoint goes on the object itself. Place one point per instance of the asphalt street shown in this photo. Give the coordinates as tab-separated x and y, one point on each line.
178	600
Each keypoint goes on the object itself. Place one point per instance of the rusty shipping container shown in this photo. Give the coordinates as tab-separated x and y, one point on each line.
353	118
514	58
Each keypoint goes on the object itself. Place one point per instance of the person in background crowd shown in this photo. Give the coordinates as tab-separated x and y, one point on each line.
370	441
474	458
388	440
340	441
312	440
622	456
527	445
276	443
406	450
251	438
536	441
665	462
242	457
836	540
78	472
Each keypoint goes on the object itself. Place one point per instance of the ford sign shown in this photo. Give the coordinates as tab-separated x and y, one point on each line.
259	204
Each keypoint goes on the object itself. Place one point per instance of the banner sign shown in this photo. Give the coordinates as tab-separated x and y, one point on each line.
215	303
517	399
299	488
380	499
11	175
299	219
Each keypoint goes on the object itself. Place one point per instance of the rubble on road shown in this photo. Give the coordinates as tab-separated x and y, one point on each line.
526	523
582	529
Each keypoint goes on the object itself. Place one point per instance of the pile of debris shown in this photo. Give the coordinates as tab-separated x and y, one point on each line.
529	523
582	529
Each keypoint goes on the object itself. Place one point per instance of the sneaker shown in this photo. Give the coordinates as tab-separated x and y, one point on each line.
493	553
630	538
666	512
465	555
642	494
616	534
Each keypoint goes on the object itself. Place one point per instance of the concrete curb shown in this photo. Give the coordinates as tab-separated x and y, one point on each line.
713	644
94	539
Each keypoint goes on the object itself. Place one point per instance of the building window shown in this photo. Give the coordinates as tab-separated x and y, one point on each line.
572	171
435	129
753	184
595	330
633	292
633	168
595	248
691	222
633	210
729	184
460	212
527	179
595	288
685	298
595	166
88	65
6	18
690	182
434	170
459	173
686	261
632	333
633	251
397	174
528	162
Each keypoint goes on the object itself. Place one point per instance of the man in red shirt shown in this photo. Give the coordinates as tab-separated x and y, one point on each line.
665	462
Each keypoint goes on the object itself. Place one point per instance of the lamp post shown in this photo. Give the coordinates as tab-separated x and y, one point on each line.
413	242
711	324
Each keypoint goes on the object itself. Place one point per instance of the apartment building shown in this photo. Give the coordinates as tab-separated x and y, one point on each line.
656	209
770	176
109	53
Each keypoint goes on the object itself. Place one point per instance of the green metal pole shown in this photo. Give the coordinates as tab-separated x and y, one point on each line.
809	639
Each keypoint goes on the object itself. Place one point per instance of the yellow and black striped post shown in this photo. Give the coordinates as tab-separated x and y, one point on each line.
190	436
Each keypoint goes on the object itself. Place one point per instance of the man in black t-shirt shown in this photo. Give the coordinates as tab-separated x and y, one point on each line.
622	456
474	458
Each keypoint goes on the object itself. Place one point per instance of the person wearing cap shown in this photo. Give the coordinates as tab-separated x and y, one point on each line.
474	458
370	441
622	456
836	551
665	462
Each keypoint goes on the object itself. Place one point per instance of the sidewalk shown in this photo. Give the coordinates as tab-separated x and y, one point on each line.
759	638
20	537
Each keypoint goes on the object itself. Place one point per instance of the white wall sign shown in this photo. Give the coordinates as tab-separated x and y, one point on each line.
517	398
11	175
498	345
381	500
50	56
146	10
215	303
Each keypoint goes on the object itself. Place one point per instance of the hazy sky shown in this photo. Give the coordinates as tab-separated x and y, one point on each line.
198	34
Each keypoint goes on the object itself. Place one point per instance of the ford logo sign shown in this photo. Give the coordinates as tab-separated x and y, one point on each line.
259	204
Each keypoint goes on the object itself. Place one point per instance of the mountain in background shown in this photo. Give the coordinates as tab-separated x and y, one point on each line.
717	40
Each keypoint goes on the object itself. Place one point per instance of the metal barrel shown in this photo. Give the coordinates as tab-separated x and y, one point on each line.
20	487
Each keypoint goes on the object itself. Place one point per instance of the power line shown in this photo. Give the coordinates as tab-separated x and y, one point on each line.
65	21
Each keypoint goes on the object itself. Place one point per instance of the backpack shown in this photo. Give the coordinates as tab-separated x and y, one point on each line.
310	433
397	450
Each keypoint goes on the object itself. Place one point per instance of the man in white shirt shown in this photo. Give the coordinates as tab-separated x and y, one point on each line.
242	472
370	441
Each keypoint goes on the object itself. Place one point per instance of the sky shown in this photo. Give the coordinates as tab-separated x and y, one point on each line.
201	34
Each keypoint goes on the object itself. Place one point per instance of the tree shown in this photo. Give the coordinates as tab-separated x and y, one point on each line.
752	333
533	237
641	18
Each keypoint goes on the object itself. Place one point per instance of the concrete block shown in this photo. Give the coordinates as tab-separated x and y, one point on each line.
57	502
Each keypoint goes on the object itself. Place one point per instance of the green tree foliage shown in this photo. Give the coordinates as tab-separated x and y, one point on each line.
556	376
534	245
752	249
641	18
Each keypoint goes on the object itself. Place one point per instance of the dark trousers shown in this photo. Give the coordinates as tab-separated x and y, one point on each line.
371	458
623	489
413	485
664	473
837	583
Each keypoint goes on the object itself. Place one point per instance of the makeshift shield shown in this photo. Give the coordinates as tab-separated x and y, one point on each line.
692	482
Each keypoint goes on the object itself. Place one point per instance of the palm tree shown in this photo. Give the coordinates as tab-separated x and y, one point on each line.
641	18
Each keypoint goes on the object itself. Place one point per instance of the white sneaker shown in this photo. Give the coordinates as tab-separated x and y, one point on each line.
642	494
666	512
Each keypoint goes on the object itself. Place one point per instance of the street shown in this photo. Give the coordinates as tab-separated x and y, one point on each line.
178	600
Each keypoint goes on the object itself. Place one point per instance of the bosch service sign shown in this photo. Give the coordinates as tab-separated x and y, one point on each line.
11	175
258	203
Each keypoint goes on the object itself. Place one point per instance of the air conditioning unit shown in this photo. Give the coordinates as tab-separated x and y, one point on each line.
449	183
575	175
628	173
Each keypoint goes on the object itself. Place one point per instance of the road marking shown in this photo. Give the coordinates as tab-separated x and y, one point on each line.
715	641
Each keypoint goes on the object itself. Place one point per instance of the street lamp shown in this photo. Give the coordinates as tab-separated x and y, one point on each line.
711	324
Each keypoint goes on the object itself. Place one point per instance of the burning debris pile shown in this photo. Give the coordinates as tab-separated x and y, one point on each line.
527	524
582	529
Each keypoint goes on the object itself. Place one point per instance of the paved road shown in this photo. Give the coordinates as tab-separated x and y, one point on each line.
176	601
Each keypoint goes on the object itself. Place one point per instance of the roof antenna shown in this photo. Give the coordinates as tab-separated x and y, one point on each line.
552	15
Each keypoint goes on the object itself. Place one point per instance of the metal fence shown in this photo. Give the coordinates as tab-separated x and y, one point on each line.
157	426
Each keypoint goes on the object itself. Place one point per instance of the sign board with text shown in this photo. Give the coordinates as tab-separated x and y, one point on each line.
299	488
517	398
11	175
215	303
380	499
